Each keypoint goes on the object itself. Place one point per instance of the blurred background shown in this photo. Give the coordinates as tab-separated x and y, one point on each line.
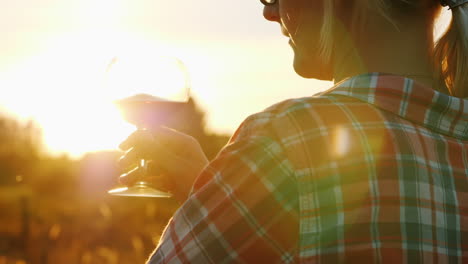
59	129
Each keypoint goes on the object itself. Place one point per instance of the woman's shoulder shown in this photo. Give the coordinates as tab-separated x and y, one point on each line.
289	115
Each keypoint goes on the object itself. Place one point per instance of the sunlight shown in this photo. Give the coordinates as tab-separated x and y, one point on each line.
148	73
63	86
100	13
64	89
341	141
84	126
442	23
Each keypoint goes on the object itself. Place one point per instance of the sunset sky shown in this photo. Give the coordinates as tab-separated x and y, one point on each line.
53	56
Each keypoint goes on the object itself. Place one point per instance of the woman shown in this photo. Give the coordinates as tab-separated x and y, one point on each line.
372	170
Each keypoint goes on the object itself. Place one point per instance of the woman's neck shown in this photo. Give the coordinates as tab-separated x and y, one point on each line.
404	51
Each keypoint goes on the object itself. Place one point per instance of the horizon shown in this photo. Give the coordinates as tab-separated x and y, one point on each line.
54	56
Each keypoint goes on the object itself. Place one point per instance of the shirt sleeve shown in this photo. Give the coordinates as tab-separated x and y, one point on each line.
243	209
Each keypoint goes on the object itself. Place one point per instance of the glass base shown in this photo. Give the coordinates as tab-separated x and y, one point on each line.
140	189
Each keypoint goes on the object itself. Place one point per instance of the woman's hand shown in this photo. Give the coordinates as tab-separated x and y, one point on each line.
174	160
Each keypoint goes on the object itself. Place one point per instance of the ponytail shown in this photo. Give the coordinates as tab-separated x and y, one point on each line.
451	55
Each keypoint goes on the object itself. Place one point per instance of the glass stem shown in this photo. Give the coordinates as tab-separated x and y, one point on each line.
144	167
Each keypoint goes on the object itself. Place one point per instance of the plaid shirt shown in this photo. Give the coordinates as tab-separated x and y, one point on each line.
373	170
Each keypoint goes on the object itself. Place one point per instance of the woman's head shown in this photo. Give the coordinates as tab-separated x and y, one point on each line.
319	29
302	21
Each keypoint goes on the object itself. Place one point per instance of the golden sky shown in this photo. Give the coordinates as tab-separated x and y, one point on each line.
53	56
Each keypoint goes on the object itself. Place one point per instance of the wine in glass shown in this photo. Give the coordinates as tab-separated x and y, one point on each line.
162	77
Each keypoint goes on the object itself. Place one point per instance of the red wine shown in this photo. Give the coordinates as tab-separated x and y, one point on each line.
146	111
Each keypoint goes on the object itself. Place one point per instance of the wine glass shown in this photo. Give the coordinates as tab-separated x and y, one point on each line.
160	87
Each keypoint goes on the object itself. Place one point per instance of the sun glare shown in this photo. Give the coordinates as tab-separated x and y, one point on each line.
83	127
66	90
100	14
442	23
147	73
341	141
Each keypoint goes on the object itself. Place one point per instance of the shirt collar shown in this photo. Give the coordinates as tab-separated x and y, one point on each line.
412	101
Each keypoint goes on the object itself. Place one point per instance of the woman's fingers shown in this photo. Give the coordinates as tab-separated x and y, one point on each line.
131	176
152	174
178	157
153	145
128	159
139	137
133	157
162	137
140	144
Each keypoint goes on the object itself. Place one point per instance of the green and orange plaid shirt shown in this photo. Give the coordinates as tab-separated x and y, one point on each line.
373	170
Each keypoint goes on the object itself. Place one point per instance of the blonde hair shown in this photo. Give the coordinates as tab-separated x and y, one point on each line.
326	36
450	54
358	19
